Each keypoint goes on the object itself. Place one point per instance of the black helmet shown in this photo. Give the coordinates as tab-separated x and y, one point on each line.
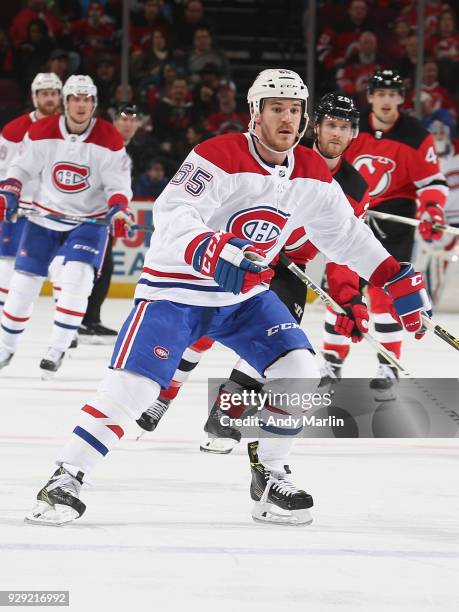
386	79
336	105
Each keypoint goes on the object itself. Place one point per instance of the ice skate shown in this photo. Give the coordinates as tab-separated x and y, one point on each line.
58	501
384	383
330	372
5	358
151	417
224	437
277	499
51	363
96	333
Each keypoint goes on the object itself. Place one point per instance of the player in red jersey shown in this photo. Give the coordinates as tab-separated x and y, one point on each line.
336	123
396	156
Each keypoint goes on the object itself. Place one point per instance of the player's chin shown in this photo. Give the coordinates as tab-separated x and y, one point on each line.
284	141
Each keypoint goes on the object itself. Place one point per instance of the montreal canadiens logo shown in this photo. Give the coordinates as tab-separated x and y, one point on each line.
161	352
377	171
70	178
261	225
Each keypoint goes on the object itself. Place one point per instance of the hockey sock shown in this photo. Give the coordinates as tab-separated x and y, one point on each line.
237	383
122	396
389	333
18	308
6	272
332	341
289	379
76	284
55	273
190	359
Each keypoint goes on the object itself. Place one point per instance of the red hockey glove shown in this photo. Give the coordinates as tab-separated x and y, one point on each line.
355	322
234	264
121	216
410	298
428	214
10	192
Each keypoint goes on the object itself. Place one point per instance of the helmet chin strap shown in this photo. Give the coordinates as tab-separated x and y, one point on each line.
316	142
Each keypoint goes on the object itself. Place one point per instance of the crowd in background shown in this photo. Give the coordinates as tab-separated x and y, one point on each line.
182	83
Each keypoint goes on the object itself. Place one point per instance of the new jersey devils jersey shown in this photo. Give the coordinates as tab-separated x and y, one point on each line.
225	185
400	163
10	146
79	174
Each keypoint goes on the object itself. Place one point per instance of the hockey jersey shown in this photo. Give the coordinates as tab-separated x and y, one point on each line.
10	146
399	163
225	185
450	167
78	174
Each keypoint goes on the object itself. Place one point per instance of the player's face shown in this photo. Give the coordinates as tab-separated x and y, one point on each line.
127	126
279	122
48	101
385	103
80	108
334	135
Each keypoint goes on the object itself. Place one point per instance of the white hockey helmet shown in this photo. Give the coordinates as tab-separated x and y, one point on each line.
79	85
277	83
45	80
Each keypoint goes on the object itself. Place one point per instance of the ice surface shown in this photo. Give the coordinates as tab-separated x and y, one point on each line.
169	528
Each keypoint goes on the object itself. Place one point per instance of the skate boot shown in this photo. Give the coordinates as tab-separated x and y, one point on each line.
151	417
58	502
330	372
224	437
96	333
74	343
5	358
277	499
384	383
51	363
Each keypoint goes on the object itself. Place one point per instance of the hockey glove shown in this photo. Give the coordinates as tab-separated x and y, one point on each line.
10	192
428	214
355	322
122	219
234	264
410	298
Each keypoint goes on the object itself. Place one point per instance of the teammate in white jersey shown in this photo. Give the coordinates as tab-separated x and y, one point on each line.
46	97
82	169
226	214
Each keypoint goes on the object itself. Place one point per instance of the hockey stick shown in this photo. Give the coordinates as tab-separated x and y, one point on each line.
414	222
329	301
31	212
440	332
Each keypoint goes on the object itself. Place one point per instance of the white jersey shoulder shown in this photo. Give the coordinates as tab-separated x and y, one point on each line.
450	168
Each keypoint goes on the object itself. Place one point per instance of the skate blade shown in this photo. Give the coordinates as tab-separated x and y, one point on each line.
265	513
100	341
141	434
47	374
53	516
384	395
218	446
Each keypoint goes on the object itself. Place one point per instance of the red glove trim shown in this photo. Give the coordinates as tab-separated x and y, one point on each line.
384	272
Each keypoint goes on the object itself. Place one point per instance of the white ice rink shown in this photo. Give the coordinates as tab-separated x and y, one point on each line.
169	528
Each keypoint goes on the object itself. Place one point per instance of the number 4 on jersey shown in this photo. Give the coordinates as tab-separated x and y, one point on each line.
431	156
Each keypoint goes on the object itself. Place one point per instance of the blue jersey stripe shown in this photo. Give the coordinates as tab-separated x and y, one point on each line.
91	440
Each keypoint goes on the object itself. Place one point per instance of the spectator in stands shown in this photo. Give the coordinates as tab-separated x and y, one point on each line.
106	82
191	19
440	97
58	62
93	36
353	76
7	57
227	111
68	10
432	10
429	114
151	183
335	45
444	45
33	53
394	43
35	9
147	64
143	25
173	116
150	94
406	65
205	91
203	53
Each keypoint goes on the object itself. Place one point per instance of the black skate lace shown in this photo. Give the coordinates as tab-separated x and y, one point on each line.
157	410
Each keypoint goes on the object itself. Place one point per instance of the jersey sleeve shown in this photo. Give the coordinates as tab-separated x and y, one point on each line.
343	283
189	200
341	236
8	151
29	161
116	176
430	183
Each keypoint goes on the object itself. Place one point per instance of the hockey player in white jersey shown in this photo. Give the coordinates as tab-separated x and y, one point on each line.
226	214
46	91
82	169
438	258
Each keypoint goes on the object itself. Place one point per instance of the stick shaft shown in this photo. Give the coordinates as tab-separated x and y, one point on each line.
414	222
